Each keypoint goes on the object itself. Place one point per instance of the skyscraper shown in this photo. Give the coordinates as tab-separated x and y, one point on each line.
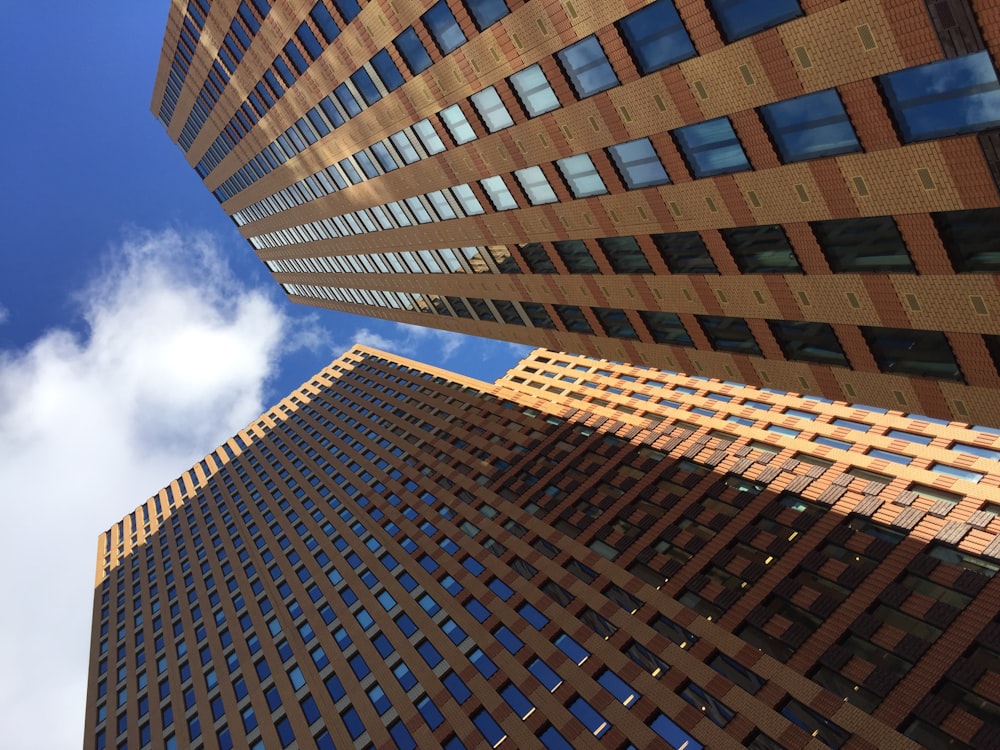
583	554
799	195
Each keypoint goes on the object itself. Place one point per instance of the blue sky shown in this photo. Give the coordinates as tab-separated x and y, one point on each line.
137	331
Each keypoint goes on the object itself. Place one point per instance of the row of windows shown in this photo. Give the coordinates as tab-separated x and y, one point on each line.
191	25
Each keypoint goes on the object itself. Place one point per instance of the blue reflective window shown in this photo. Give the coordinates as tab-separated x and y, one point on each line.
673	734
347	100
404	676
577	653
453	631
324	22
348	8
518	701
477	610
489	727
430	712
309	41
441	23
285	733
486	12
430	654
353	722
510	641
620	689
545	674
947	97
712	148
366	86
501	589
411	49
638	164
483	663
587	67
401	736
810	126
656	37
740	18
457	688
334	688
589	717
532	615
553	740
387	70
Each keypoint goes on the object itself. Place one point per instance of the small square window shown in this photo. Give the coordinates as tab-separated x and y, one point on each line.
499	194
587	67
535	186
712	148
534	91
458	126
638	164
491	109
810	126
581	176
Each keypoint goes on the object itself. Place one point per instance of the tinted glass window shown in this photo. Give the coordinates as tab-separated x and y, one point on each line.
573	318
666	328
615	323
387	70
638	164
441	23
971	239
486	12
411	49
728	334
863	245
656	37
740	18
587	67
624	255
763	249
943	98
684	252
810	126
712	148
536	258
576	256
905	351
534	91
808	342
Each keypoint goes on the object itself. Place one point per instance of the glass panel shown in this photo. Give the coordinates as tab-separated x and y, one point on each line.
532	88
498	193
970	237
728	334
458	126
638	164
587	67
491	109
666	328
576	256
762	249
412	50
912	352
808	342
581	176
740	18
712	148
684	252
656	37
863	245
441	23
535	186
810	126
624	255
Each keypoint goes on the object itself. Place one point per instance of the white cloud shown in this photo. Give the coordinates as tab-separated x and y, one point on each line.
175	359
409	340
4	315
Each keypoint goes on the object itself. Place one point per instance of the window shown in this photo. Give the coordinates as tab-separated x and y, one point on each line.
573	318
638	164
499	194
712	148
587	67
906	351
970	239
576	653
808	342
532	88
324	22
673	734
713	708
510	641
486	12
387	70
813	723
458	126
443	27
944	98
412	51
363	82
536	258
488	726
810	126
728	334
535	186
616	323
871	245
740	18
624	255
348	9
589	717
666	328
581	176
761	249
545	674
576	256
656	37
517	701
491	109
684	252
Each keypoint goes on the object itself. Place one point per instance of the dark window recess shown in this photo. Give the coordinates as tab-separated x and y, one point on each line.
684	252
904	351
459	307
576	256
536	258
666	328
728	334
971	239
504	260
537	315
573	318
992	342
482	311
508	312
624	255
615	323
808	342
863	245
763	249
815	724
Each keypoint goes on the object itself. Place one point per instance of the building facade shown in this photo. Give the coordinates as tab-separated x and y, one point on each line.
798	195
581	555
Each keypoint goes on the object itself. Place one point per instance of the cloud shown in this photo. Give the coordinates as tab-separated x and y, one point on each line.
408	340
4	315
175	357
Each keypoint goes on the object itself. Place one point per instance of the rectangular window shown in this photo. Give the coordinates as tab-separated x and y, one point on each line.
638	164
576	256
666	328
587	67
905	351
581	176
491	109
459	127
970	239
486	12
761	249
740	18
534	91
616	323
810	126
536	186
441	24
808	342
573	318
412	50
729	334
944	98
684	252
656	37
387	70
498	193
711	148
869	245
624	255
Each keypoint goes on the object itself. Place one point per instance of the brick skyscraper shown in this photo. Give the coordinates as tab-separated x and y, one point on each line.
582	555
800	195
